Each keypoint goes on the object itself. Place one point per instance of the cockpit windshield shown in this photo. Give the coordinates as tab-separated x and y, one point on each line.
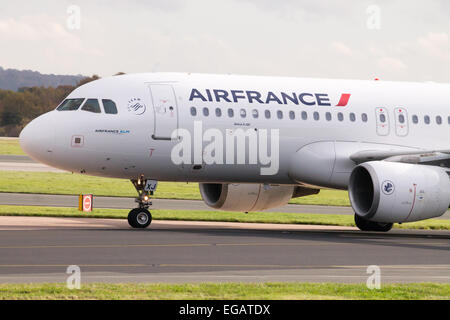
110	106
92	105
70	104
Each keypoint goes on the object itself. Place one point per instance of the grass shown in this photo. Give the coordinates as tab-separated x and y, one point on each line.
10	147
74	184
228	291
68	183
198	215
326	197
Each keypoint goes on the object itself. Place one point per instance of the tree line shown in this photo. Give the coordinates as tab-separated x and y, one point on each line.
19	108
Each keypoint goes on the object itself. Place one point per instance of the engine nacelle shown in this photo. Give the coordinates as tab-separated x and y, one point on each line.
383	191
249	197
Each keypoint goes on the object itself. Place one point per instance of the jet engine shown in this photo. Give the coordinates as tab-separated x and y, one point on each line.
388	192
250	197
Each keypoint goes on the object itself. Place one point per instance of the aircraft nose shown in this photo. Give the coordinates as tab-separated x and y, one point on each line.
38	137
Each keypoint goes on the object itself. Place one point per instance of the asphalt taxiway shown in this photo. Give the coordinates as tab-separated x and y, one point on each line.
34	249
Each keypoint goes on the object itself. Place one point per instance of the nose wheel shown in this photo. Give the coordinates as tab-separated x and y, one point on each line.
141	217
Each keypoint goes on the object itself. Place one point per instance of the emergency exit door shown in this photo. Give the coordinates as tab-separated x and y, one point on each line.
165	111
382	119
401	122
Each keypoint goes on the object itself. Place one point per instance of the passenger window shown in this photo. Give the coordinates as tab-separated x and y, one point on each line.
328	116
448	119
415	119
280	114
243	113
340	116
364	117
205	112
91	105
382	118
316	116
401	118
426	119
255	113
193	111
230	113
291	115
267	114
218	112
352	117
70	104
304	115
439	120
109	106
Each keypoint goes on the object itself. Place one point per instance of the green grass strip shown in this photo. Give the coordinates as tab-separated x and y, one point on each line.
231	291
74	184
10	147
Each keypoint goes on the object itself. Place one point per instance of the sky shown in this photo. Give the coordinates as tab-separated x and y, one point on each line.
353	39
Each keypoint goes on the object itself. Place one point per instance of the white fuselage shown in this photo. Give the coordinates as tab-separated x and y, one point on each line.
314	151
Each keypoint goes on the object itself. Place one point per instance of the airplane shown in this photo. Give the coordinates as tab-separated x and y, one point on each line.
254	143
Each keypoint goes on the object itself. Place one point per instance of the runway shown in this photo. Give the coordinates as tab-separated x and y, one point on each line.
36	249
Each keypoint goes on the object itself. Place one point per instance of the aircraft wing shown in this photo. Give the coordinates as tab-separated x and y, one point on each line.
429	157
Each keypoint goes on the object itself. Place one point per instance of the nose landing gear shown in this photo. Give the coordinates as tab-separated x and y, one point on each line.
141	217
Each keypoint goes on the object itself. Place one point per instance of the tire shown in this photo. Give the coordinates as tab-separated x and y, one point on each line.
139	218
366	225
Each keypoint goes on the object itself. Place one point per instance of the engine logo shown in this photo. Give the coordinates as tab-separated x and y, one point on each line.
387	187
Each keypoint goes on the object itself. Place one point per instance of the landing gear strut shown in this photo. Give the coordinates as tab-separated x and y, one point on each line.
366	225
141	217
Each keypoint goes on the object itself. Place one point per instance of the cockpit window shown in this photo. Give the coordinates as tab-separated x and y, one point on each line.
110	106
70	104
92	105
